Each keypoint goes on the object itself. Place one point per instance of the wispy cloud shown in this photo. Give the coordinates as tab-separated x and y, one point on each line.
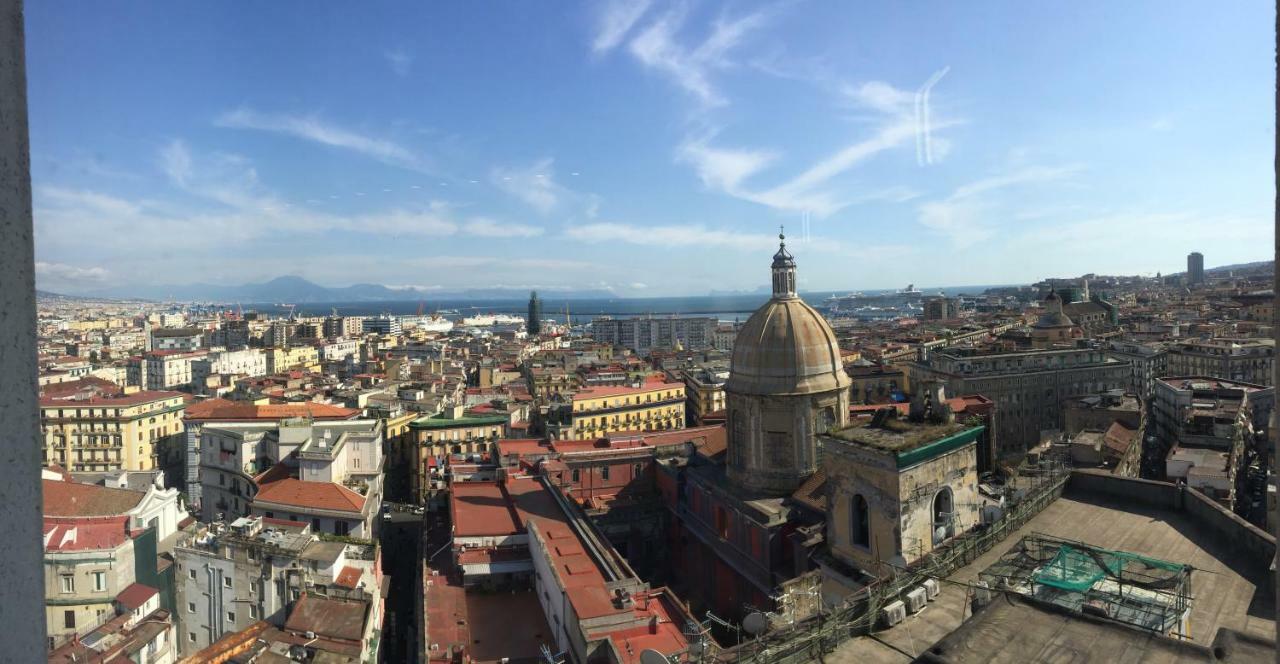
899	116
670	236
400	60
312	128
966	218
485	227
615	21
658	47
534	184
228	207
1163	123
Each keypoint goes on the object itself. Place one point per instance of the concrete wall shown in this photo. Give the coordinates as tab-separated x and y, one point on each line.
20	522
1218	520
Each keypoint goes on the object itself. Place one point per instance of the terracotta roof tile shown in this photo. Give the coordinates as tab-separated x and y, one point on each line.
317	495
70	499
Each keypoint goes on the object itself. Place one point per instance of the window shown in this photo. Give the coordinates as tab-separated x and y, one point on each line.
99	581
575	475
604	473
69	619
191	607
226	581
191	636
68	584
253	612
860	526
315	524
191	573
340	527
231	616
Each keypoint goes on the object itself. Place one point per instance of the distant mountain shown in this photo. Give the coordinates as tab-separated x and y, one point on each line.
296	290
1242	267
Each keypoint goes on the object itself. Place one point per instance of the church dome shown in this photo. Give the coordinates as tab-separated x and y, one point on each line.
1053	316
786	347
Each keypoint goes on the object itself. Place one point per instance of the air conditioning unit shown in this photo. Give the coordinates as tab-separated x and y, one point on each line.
893	613
931	588
915	599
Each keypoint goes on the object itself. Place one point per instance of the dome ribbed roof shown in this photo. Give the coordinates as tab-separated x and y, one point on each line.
786	347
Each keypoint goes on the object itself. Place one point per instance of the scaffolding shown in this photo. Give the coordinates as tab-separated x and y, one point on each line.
1137	590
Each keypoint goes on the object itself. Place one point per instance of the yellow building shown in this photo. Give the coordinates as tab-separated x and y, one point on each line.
295	357
600	411
122	432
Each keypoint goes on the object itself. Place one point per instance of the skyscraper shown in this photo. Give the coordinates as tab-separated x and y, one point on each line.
534	323
1195	268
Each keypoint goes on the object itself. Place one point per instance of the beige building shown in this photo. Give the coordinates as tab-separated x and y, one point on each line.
896	489
122	432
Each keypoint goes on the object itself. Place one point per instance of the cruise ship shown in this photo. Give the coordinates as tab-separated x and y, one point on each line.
903	302
489	320
431	323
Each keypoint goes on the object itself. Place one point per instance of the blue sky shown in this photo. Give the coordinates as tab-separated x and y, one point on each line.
652	148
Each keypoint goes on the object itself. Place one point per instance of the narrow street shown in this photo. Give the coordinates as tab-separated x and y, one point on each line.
401	559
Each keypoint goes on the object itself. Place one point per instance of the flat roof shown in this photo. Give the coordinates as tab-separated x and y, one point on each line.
1020	629
1223	595
897	434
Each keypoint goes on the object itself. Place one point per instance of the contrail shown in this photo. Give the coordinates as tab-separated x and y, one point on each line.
924	143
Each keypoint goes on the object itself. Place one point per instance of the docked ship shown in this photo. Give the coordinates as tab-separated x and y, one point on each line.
489	320
907	301
431	323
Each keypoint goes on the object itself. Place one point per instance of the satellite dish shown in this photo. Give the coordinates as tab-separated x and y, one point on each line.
651	656
755	623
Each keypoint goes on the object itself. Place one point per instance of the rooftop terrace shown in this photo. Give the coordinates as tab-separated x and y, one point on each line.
1229	586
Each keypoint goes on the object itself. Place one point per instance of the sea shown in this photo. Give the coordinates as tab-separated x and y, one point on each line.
728	307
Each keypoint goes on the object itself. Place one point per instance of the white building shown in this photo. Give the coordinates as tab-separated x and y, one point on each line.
328	474
248	362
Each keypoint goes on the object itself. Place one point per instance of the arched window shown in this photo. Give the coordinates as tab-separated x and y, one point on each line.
943	515
826	419
860	522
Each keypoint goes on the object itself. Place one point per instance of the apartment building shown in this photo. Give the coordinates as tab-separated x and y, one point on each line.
231	576
1243	360
279	359
328	474
1028	387
247	362
115	432
183	338
600	411
642	334
208	411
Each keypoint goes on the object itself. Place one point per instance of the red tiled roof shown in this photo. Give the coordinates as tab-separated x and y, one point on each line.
72	499
84	534
317	495
112	401
597	392
71	387
349	577
226	410
135	595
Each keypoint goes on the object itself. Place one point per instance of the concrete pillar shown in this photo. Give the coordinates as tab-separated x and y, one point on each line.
22	611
